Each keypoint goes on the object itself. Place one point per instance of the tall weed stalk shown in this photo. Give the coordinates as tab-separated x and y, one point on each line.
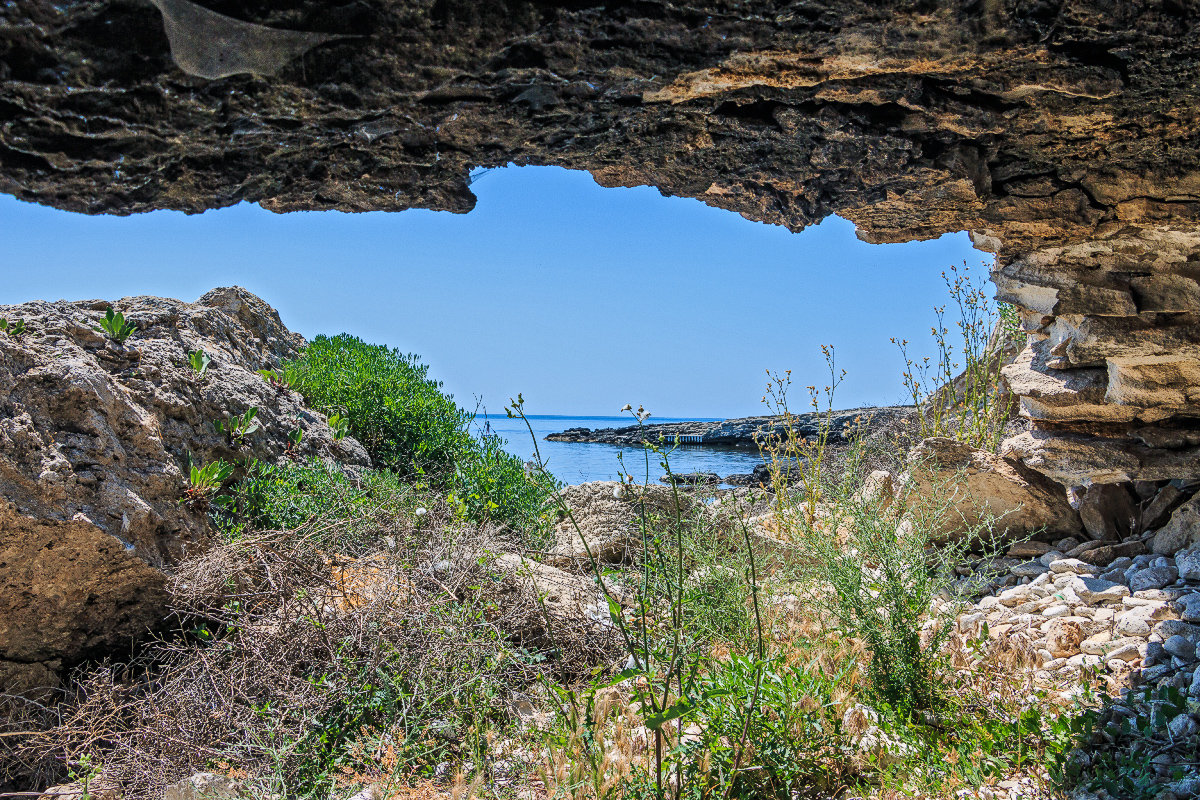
959	392
685	717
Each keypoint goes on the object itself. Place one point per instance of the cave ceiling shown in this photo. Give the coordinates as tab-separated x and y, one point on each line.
1030	122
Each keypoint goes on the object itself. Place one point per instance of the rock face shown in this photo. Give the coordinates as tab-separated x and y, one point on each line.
979	487
1061	134
94	437
608	515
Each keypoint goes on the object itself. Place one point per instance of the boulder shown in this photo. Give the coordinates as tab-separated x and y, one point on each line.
878	489
1095	591
202	786
1108	512
1188	564
94	439
608	515
1152	578
545	607
1181	531
1181	647
1189	607
977	487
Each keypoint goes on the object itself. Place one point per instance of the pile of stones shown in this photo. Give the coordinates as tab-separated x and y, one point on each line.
1119	610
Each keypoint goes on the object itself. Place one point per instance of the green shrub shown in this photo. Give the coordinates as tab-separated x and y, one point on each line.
388	402
794	743
15	328
492	484
199	361
237	428
398	413
747	728
205	481
287	495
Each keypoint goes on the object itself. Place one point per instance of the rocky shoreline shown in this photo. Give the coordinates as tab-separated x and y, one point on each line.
744	432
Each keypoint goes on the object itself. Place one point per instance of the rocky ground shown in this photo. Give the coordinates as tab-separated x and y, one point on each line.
1092	582
1128	611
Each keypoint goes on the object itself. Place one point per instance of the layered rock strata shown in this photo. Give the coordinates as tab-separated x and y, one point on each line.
94	441
1061	133
1111	374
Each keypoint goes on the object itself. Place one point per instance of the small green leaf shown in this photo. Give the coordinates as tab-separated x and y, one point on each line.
676	710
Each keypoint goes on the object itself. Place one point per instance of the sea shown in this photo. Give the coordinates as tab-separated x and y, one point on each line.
579	462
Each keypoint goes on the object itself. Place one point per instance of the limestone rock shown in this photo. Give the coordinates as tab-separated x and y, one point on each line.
94	437
1097	591
577	608
1137	621
1059	395
1152	578
878	489
1108	554
1190	608
1182	531
1063	639
1029	569
1180	647
608	515
1183	726
203	786
1028	549
1072	458
1071	565
979	486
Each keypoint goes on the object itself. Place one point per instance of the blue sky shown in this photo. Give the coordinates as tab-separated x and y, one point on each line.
582	298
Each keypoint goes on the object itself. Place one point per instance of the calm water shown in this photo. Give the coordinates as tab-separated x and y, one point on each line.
578	463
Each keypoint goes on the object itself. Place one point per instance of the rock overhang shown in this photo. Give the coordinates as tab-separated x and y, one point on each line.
1061	134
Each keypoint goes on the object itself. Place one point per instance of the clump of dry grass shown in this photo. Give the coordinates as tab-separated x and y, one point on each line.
300	666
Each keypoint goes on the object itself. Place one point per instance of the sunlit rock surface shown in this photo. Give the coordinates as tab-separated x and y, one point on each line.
94	442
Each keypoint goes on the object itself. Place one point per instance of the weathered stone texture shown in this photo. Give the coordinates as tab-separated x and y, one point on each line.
94	438
1061	134
986	494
